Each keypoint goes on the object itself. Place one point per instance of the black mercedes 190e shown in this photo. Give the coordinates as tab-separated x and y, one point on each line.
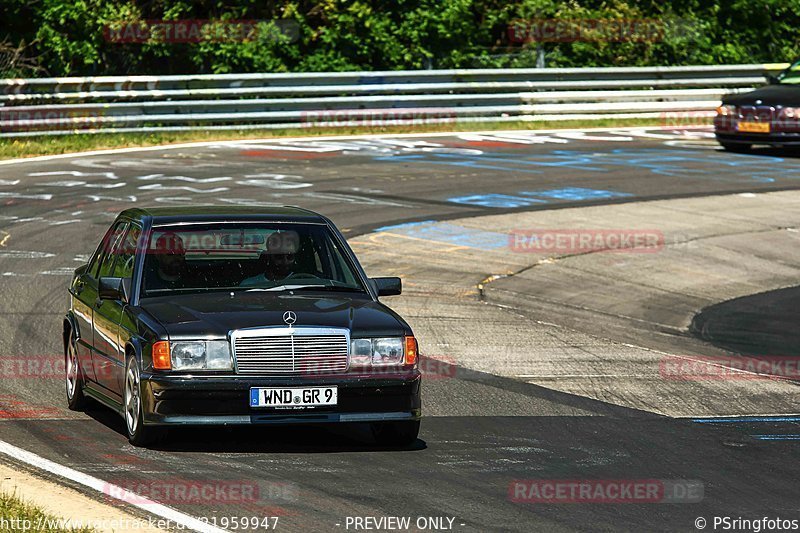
769	115
210	315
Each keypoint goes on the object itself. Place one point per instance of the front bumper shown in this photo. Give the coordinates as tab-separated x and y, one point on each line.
783	139
782	132
218	400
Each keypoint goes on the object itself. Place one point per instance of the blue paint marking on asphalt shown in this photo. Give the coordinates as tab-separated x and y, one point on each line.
777	437
529	198
577	194
746	419
451	234
737	168
496	200
405	225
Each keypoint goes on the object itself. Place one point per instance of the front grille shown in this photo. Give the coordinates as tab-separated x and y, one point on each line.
761	113
291	351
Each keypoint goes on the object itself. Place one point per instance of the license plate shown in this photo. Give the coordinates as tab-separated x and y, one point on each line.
754	127
293	397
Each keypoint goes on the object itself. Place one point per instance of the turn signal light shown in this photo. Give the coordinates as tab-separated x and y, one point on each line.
411	350
725	110
161	357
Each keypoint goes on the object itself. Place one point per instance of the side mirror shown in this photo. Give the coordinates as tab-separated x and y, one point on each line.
387	286
772	79
112	289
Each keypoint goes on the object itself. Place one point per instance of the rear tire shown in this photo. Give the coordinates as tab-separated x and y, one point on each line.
736	147
138	433
76	401
396	433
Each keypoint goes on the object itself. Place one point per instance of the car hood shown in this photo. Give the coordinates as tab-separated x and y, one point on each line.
216	314
769	95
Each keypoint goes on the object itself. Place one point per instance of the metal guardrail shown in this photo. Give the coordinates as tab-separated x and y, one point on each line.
57	106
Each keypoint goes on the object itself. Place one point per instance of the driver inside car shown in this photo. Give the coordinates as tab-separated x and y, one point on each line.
278	261
168	271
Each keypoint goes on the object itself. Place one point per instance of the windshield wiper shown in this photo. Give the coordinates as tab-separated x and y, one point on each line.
333	288
285	288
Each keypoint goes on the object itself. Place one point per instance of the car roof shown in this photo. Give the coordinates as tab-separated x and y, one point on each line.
216	213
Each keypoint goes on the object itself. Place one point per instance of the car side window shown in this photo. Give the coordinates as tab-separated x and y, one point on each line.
106	264
126	253
335	261
99	253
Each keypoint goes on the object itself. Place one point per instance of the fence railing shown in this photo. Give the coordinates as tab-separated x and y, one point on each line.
55	106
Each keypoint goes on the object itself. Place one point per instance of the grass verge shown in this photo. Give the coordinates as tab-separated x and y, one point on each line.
17	516
12	148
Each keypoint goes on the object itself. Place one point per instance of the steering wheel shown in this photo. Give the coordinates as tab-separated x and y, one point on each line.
299	275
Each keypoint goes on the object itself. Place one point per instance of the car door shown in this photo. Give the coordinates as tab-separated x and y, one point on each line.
84	296
107	314
84	293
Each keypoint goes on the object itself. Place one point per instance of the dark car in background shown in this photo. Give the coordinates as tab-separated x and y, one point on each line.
229	316
769	115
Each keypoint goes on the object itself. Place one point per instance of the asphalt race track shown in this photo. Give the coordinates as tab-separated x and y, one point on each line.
572	394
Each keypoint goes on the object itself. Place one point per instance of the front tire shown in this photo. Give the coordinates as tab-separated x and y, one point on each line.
402	433
138	433
76	401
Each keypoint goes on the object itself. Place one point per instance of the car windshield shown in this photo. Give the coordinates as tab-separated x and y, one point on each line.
246	256
791	75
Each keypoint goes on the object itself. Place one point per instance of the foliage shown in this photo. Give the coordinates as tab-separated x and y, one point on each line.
72	37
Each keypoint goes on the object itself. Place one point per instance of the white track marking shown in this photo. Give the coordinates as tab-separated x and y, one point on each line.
151	177
353	199
174	200
108	490
21	254
159	187
249	202
97	198
693	143
60	271
581	136
26	196
238	144
274	181
514	138
76	174
106	185
63	222
9	182
78	183
64	183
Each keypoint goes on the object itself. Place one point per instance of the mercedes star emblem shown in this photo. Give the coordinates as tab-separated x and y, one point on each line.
289	317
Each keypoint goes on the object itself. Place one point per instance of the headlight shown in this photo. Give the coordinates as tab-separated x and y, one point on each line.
383	351
201	355
725	110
